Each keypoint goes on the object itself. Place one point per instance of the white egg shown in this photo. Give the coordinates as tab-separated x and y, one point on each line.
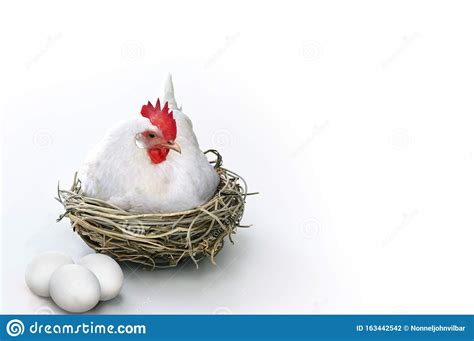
39	271
107	271
74	288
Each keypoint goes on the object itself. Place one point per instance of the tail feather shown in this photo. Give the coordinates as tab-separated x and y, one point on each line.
168	95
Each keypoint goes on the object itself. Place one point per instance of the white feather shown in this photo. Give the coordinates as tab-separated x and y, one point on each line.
168	93
119	172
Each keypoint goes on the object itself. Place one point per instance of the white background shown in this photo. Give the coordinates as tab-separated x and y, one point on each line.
353	120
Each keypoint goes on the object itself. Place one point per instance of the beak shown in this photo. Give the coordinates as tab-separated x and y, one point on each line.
173	146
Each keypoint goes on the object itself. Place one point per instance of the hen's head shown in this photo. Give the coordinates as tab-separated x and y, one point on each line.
159	141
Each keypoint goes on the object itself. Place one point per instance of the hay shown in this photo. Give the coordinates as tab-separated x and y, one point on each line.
158	240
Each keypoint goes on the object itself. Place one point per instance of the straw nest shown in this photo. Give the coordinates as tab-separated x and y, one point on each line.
159	240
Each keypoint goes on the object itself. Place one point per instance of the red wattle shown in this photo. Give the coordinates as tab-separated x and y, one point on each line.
158	155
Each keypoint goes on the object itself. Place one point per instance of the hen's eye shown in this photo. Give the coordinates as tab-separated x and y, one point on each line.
151	135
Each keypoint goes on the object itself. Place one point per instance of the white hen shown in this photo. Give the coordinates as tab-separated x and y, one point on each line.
151	164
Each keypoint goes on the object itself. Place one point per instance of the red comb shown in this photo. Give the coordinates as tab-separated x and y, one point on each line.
161	118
